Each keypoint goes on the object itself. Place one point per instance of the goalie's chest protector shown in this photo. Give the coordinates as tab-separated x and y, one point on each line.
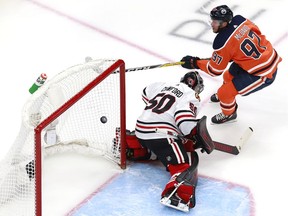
163	101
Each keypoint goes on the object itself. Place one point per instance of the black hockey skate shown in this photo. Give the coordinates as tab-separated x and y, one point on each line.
214	98
221	118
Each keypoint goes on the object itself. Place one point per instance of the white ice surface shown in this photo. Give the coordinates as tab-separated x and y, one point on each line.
49	36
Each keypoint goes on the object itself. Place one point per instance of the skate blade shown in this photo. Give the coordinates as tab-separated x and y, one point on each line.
181	206
227	122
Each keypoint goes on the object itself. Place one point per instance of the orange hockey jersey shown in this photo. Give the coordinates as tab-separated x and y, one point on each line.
243	43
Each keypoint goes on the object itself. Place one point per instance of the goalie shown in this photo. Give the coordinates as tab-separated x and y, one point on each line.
168	129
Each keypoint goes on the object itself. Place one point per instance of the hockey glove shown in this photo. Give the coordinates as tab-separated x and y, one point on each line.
190	62
201	137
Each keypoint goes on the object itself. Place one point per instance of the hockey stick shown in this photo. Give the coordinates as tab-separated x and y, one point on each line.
152	67
235	150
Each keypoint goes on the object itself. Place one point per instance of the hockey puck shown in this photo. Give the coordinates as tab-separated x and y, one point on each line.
103	119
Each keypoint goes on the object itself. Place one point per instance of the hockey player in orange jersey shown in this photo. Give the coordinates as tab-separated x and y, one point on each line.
253	60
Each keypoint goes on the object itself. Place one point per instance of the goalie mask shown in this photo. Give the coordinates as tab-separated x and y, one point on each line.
194	81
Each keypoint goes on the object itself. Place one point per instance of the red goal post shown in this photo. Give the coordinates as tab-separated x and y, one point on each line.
81	109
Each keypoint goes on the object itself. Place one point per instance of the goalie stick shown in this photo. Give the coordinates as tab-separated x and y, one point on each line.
235	150
152	67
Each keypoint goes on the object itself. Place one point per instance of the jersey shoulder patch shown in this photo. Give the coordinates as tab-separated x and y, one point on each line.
223	36
193	109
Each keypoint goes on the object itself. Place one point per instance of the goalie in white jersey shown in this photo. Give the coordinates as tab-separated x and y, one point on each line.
170	113
170	106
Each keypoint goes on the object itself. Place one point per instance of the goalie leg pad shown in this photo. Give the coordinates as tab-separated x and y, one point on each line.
175	171
190	175
179	193
135	151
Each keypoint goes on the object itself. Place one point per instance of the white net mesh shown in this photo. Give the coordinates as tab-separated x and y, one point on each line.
78	129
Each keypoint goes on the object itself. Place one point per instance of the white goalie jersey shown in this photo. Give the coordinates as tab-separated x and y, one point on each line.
169	107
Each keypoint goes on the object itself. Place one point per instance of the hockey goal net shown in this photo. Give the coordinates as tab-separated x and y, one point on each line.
81	109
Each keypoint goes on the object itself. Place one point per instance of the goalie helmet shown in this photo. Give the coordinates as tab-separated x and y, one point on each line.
222	12
194	81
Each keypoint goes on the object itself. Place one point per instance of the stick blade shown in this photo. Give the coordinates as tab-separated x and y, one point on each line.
245	137
235	150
